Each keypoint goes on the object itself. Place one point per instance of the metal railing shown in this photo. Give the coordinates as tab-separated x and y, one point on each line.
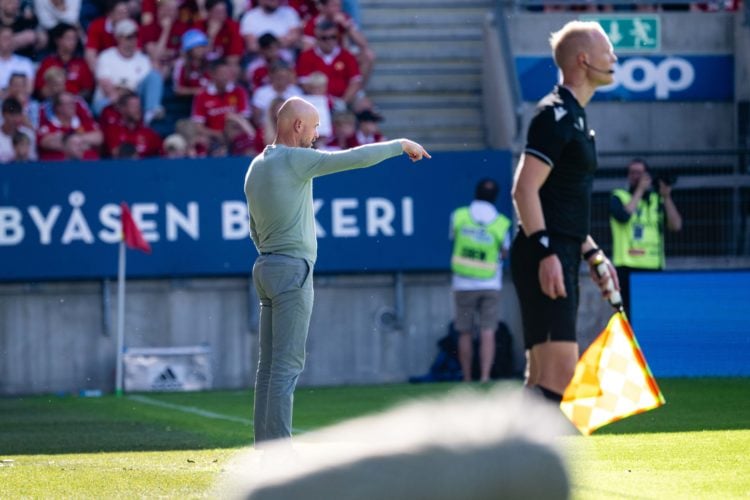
711	191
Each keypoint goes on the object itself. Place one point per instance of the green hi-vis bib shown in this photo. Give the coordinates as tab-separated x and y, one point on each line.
476	247
639	242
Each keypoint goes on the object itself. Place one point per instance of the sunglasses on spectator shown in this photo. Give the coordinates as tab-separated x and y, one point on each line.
324	38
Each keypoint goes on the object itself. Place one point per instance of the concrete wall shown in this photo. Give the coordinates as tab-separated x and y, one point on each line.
54	336
654	126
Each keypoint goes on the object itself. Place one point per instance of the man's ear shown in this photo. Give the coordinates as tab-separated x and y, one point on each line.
297	125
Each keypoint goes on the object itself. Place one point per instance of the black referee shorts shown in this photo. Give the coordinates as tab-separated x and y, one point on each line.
543	318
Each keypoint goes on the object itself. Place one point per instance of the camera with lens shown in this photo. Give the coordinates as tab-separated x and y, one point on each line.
664	176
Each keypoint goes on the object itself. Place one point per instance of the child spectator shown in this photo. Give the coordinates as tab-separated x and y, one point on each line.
13	119
131	130
222	96
368	130
79	78
124	66
54	132
191	71
22	147
175	146
100	35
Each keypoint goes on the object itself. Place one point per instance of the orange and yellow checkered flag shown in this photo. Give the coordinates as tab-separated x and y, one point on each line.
612	380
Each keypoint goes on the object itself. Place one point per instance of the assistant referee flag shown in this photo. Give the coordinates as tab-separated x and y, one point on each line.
130	233
611	381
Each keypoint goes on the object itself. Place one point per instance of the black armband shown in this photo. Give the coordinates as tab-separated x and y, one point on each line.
590	253
542	243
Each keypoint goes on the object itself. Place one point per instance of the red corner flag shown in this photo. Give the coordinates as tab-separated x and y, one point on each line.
130	232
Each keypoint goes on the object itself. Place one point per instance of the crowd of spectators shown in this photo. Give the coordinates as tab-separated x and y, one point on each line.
85	79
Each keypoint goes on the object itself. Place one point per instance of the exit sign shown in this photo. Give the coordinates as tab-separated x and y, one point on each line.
631	33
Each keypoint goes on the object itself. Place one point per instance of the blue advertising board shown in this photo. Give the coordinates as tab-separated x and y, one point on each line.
693	323
642	78
61	220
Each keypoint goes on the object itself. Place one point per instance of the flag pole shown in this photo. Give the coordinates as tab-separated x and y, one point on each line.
120	318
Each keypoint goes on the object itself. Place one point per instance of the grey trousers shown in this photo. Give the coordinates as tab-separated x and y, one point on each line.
285	289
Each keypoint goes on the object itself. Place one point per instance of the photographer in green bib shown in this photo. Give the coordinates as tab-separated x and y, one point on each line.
481	240
637	219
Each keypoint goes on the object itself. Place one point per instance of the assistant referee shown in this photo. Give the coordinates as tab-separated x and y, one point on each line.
552	196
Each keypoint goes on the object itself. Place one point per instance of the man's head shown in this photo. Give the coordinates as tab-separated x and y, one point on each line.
297	124
126	34
21	145
269	46
486	190
54	81
581	49
195	40
281	75
74	146
637	168
64	106
217	10
129	105
329	7
117	10
221	73
368	121
326	36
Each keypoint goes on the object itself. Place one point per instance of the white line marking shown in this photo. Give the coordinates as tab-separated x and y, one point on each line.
191	409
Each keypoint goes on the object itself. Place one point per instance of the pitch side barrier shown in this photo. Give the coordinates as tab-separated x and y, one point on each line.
60	221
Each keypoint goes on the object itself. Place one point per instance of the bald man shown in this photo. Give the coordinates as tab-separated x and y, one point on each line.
552	196
278	187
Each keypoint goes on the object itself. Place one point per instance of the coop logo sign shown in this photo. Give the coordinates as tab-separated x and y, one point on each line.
643	78
639	74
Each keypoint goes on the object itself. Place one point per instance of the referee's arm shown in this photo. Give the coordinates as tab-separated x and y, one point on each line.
531	175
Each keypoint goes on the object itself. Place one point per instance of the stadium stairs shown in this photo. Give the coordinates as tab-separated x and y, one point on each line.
427	76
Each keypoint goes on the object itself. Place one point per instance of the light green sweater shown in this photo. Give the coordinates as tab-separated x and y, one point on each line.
278	187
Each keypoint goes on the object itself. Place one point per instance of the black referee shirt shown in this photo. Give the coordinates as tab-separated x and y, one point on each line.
559	136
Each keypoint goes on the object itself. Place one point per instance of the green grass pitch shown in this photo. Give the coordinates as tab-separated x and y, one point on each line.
175	445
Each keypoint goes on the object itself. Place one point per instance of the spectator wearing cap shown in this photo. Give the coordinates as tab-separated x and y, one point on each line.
11	63
53	131
79	78
130	129
225	41
270	16
269	51
368	130
162	38
125	67
101	33
222	96
28	37
50	13
330	58
13	123
330	10
282	84
191	71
